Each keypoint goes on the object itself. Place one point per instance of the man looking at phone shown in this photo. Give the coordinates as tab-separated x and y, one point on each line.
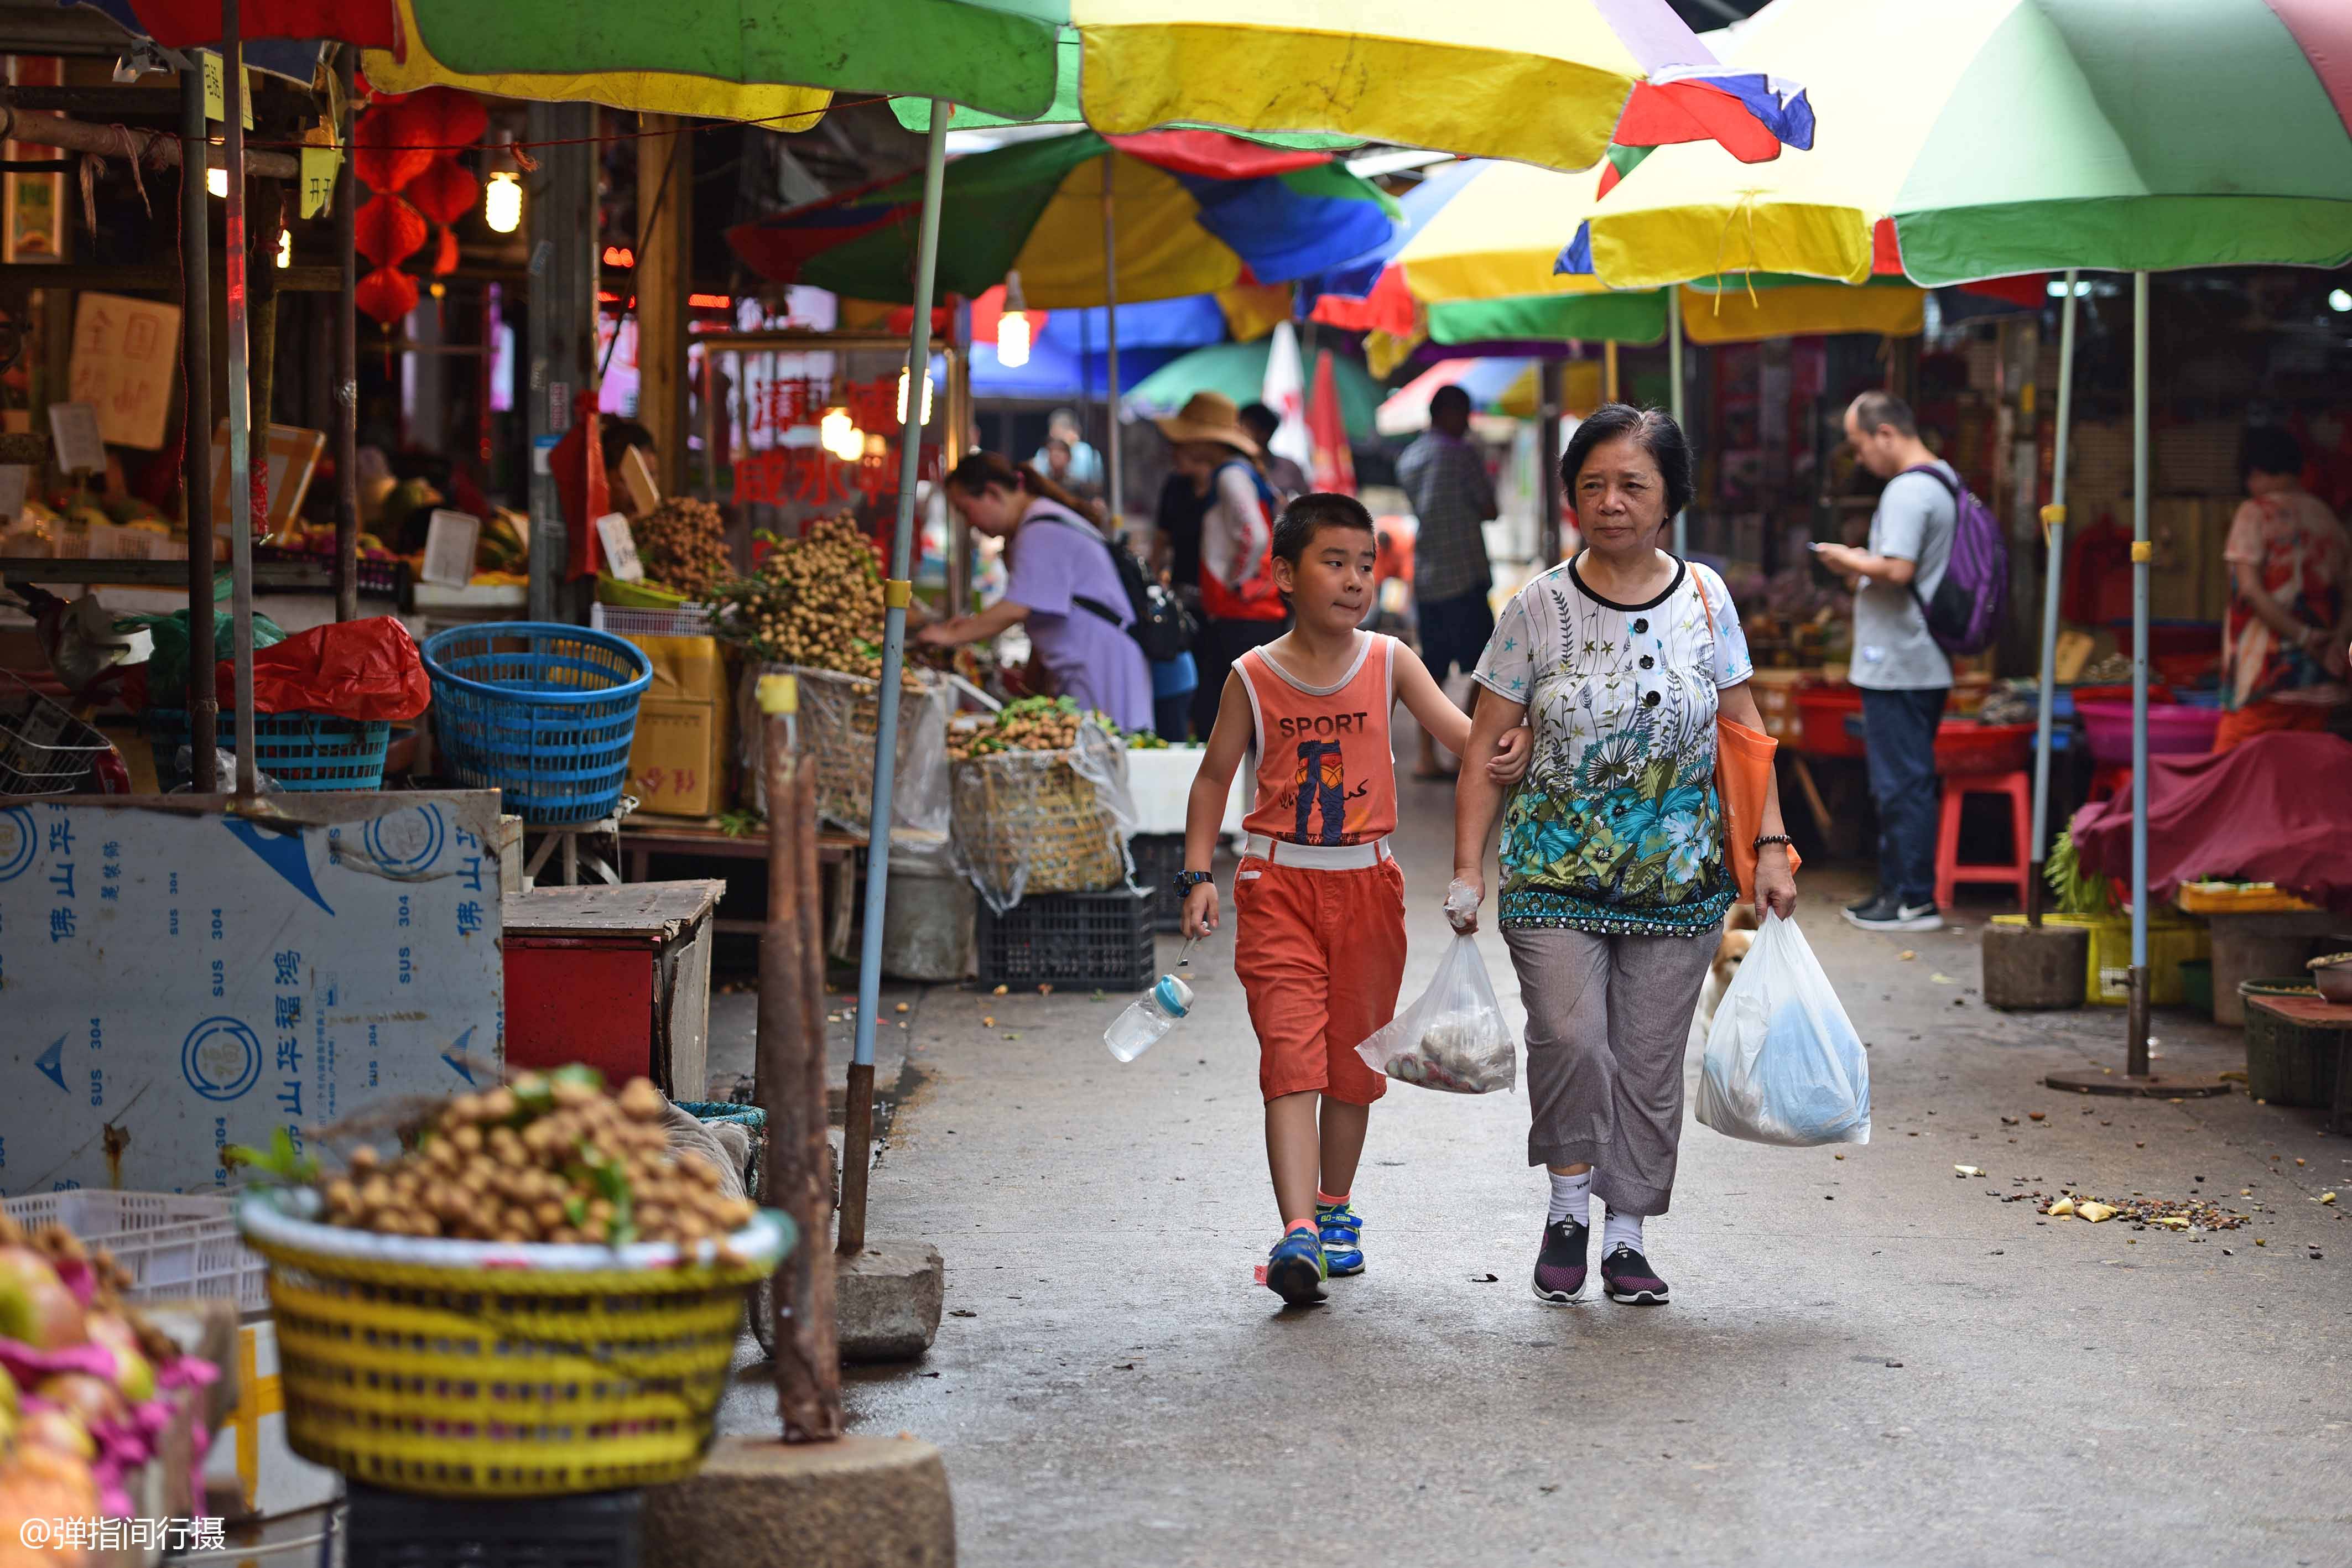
1904	677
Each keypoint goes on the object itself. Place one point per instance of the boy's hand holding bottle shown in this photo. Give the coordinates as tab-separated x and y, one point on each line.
1199	910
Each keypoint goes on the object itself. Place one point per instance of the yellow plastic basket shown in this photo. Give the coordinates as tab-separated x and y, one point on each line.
475	1369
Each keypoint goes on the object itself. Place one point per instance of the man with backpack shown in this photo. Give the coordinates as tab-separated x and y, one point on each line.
1899	662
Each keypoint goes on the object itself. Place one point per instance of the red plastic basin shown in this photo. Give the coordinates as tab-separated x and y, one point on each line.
2173	729
1821	713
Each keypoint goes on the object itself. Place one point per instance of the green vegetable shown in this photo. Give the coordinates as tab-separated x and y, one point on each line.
279	1163
2078	892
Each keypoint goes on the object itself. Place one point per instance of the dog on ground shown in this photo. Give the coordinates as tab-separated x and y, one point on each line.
1738	935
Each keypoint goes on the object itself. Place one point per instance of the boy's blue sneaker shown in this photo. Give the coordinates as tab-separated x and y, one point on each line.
1294	1270
1343	1238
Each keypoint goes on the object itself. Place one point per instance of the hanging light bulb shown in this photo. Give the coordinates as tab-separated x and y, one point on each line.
838	435
285	248
1013	326
926	419
217	181
502	203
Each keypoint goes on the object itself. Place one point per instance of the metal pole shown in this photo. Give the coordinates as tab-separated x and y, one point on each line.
1551	378
2053	533
1608	369
240	410
789	1075
1674	396
2137	1059
347	361
857	1141
196	427
1112	467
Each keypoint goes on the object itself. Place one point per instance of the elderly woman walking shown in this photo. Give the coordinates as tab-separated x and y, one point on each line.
1615	873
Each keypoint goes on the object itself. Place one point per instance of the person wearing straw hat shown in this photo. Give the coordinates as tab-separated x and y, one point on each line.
1240	609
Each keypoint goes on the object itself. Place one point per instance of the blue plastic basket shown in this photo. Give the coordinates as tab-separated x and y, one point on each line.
543	712
300	750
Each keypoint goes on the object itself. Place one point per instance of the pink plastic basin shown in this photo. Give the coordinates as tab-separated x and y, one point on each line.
2173	729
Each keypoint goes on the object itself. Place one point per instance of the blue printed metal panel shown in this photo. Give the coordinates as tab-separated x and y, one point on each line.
173	980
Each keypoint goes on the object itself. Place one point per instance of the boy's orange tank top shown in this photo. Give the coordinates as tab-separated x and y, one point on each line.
1325	772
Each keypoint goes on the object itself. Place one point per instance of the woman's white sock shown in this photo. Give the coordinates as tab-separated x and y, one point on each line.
1619	1230
1571	1198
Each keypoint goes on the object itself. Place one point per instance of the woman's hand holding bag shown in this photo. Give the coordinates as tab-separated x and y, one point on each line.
1783	1064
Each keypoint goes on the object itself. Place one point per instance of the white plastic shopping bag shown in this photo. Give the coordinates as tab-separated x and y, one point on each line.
1783	1065
1455	1037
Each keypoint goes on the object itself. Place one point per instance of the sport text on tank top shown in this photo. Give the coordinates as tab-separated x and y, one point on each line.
1324	770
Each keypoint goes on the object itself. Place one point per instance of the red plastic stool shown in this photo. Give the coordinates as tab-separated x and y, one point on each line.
2017	871
2110	778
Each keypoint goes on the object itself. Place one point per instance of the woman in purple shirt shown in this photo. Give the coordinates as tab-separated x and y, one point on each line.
1064	588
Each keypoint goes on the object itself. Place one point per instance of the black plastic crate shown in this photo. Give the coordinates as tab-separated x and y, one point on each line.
1101	939
1158	858
393	1530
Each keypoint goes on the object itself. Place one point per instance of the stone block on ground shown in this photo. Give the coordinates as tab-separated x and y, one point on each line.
888	1300
858	1502
2029	967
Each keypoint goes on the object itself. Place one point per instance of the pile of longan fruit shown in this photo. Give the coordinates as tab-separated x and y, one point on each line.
551	1157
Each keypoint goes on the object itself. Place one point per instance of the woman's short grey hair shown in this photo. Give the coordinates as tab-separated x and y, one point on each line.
1656	432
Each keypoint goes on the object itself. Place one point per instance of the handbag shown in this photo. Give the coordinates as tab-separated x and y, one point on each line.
1743	777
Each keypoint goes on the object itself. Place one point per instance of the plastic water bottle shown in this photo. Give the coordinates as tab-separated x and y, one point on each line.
1149	1017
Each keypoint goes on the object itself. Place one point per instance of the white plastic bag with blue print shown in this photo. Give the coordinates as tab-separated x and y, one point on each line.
1783	1065
1454	1039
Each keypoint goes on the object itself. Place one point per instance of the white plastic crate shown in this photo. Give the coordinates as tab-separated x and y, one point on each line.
631	621
175	1245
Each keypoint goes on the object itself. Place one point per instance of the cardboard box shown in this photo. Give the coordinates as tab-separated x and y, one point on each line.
178	979
678	765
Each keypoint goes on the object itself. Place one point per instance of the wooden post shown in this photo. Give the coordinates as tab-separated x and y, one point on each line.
664	272
196	429
790	1079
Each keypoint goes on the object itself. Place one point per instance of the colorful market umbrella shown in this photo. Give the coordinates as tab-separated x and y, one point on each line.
1195	211
2005	136
1238	370
1548	80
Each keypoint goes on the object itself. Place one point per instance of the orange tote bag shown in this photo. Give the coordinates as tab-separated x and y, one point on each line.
1743	778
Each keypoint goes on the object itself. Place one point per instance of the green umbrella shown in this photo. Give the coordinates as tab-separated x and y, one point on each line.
1238	370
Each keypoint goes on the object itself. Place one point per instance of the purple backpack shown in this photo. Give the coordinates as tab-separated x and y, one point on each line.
1965	615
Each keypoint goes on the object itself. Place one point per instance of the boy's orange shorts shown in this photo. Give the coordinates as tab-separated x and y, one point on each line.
1320	954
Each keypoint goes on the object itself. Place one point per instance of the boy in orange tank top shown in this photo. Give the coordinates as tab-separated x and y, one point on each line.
1320	951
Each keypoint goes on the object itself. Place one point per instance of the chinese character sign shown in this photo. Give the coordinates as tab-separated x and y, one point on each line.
192	981
125	365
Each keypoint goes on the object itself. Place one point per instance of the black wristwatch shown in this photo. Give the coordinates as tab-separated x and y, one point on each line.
1184	882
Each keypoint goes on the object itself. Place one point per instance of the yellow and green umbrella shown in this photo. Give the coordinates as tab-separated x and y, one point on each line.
2007	136
1550	81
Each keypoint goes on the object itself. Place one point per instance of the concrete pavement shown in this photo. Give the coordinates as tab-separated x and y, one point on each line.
1867	1359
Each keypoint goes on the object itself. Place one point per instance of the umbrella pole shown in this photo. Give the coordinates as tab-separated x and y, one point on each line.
240	408
1675	397
2053	533
857	1133
1111	464
2137	1059
2135	1079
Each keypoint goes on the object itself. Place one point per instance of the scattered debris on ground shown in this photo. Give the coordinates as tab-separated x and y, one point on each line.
2163	1213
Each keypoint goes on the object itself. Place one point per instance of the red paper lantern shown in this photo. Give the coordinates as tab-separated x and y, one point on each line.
445	255
441	120
386	294
383	155
388	231
444	192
